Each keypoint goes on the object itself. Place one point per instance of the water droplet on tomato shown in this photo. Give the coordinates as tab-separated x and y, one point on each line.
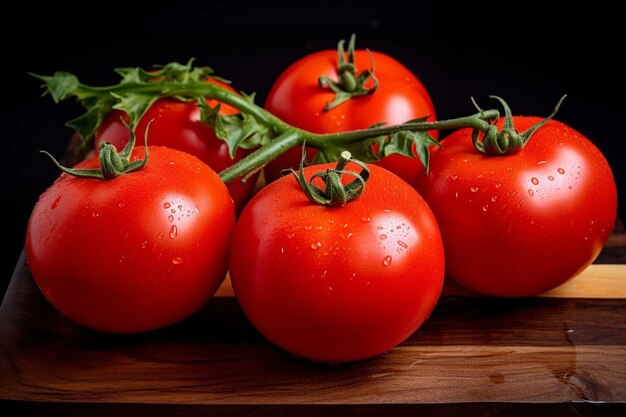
160	235
345	225
282	250
474	189
170	218
531	192
308	227
177	260
94	214
173	211
290	235
318	227
121	205
498	185
494	198
387	260
550	177
383	237
485	207
456	194
56	203
455	177
366	219
401	243
541	162
331	221
173	232
534	180
166	205
346	236
324	274
330	288
144	244
379	228
561	171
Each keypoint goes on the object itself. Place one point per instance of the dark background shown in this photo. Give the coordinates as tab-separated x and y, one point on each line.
525	53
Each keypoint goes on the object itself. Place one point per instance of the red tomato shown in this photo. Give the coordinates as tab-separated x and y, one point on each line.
135	253
337	284
297	98
177	125
523	223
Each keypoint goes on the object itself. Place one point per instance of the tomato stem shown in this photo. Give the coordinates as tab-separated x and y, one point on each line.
508	140
112	163
334	193
349	84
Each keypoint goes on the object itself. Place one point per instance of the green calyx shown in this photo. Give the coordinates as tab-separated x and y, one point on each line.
334	193
350	84
508	140
112	163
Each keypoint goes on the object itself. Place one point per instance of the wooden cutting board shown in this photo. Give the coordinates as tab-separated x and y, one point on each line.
560	354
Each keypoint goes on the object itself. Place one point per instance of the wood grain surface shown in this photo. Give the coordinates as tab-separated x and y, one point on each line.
563	353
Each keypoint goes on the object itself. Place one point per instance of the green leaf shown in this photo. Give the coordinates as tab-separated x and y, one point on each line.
134	105
237	130
136	91
60	86
87	123
402	142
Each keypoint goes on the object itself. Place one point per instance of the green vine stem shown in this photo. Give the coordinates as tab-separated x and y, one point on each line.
339	141
254	128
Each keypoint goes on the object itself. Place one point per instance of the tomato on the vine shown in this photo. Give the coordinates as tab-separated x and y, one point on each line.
523	223
176	124
337	284
134	253
298	98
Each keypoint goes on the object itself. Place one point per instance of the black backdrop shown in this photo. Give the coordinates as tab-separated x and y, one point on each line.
525	53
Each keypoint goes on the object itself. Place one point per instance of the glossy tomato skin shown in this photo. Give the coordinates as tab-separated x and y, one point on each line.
135	253
297	98
177	125
337	284
521	224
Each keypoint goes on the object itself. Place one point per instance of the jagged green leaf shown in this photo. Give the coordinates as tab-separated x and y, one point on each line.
237	130
134	105
179	81
87	123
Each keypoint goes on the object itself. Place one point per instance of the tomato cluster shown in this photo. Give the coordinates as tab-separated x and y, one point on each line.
332	282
